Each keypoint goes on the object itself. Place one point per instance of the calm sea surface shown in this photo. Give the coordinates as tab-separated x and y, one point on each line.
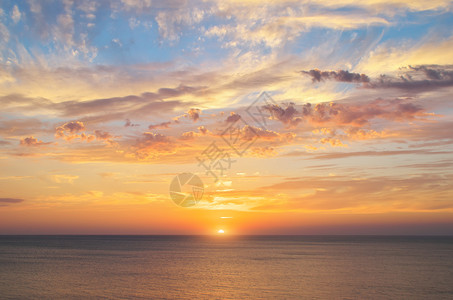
194	267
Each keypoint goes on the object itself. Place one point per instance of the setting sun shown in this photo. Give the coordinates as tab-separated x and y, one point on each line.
221	231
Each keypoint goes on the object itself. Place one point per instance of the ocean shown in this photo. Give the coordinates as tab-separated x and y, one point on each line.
226	267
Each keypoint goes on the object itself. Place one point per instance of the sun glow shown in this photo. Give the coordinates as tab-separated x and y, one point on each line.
221	231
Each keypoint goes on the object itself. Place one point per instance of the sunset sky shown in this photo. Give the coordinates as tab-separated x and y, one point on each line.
341	116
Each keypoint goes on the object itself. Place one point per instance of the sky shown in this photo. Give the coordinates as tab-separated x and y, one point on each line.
299	117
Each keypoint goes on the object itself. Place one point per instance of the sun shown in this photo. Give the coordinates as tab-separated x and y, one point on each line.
221	231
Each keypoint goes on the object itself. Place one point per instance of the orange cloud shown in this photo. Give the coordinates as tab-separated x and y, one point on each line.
194	114
153	145
69	130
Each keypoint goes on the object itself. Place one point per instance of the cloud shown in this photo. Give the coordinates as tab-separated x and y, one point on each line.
4	33
381	6
418	78
84	137
72	127
151	145
70	130
232	118
365	195
265	141
104	136
18	102
359	115
238	200
76	129
248	133
16	14
8	201
194	114
263	152
203	130
378	153
281	22
106	109
435	72
386	6
443	164
63	178
138	5
162	125
377	194
32	141
440	131
356	133
130	124
286	115
189	135
346	114
389	57
162	88
120	105
334	142
171	22
340	75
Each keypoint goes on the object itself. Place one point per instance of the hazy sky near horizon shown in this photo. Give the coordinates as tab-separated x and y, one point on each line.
104	102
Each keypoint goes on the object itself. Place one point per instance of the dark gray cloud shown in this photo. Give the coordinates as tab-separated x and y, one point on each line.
435	72
340	75
418	78
289	115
